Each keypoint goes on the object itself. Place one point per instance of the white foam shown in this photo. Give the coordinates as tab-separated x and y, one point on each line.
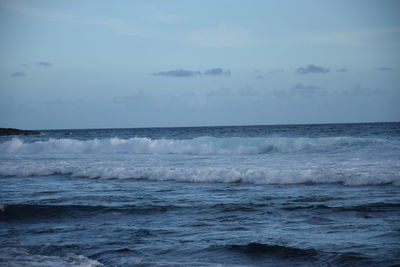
19	257
284	174
269	160
196	146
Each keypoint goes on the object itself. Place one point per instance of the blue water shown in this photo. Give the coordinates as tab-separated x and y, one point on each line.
289	195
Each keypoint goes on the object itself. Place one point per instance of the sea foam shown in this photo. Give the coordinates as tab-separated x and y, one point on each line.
196	146
22	257
255	160
230	174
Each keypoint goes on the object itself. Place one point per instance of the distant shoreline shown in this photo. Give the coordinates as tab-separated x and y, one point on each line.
12	131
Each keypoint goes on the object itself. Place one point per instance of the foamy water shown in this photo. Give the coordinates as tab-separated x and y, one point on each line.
207	196
258	160
195	146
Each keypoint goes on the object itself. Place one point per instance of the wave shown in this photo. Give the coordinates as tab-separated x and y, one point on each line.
30	211
365	208
302	256
196	146
18	256
274	250
253	175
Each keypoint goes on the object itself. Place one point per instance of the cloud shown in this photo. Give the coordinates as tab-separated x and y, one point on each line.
154	12
43	64
300	90
275	71
342	70
62	102
311	69
300	86
362	90
222	36
385	69
217	72
19	74
308	90
114	25
190	73
260	75
353	38
176	73
37	64
227	96
221	92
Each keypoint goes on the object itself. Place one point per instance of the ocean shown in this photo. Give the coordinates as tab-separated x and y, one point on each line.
284	195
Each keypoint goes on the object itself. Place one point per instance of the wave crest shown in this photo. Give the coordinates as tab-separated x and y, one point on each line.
19	256
196	146
253	175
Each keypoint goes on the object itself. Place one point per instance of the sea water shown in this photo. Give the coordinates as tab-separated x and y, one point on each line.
286	195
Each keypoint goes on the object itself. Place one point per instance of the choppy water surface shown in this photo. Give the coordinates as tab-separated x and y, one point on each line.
304	195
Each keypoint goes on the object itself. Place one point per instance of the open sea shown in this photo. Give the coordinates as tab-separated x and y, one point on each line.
286	195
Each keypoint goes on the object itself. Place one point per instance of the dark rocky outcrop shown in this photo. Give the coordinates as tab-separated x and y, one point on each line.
12	131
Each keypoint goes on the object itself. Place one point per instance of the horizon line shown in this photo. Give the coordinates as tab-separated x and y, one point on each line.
207	126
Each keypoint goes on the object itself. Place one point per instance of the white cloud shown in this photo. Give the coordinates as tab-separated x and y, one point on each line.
359	37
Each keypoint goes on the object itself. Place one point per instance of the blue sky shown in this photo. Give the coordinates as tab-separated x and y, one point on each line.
104	64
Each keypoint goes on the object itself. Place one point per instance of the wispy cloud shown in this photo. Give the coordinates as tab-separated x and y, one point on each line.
359	37
18	7
19	74
311	69
300	86
38	64
362	90
235	36
191	73
300	91
247	94
176	73
62	102
222	36
296	92
275	71
260	75
155	13
385	69
114	25
342	70
217	72
43	64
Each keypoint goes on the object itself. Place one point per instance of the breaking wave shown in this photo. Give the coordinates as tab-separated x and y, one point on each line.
196	146
254	175
14	256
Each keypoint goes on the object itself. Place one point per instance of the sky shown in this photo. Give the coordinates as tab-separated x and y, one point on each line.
121	64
